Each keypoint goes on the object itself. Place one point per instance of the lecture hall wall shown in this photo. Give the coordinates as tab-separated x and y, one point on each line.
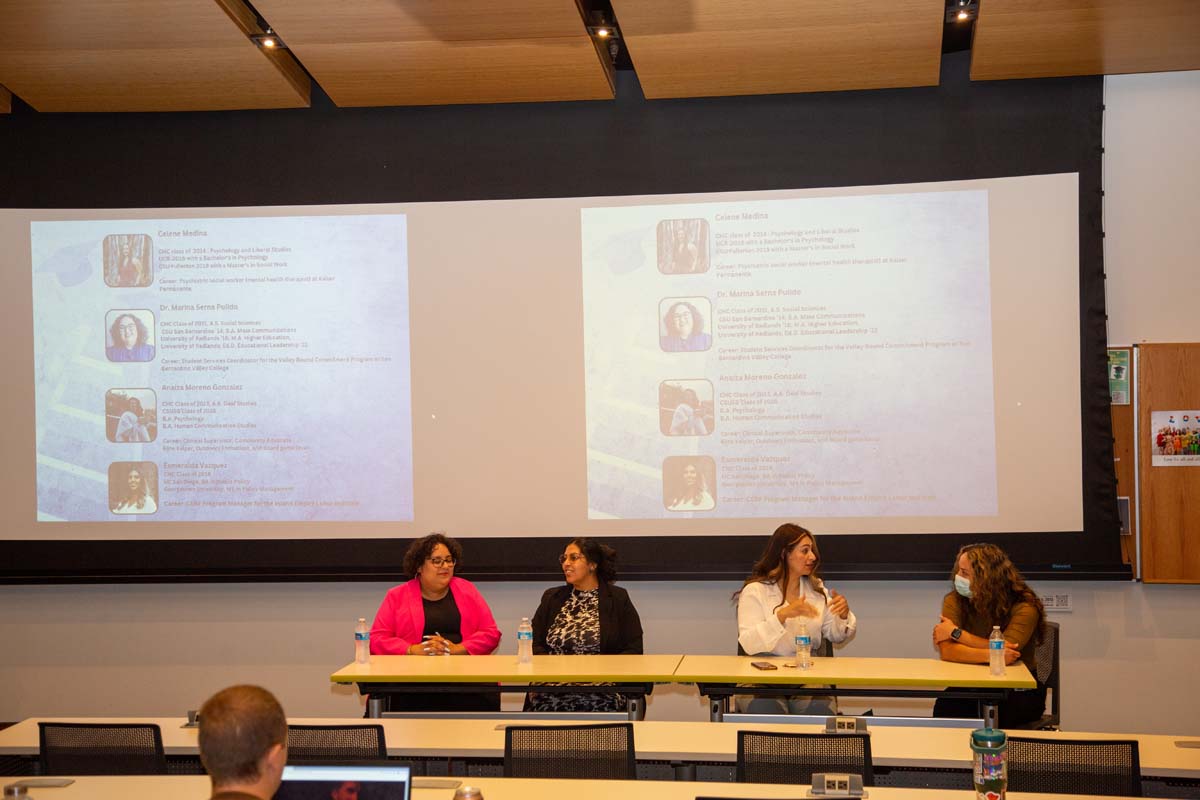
1130	650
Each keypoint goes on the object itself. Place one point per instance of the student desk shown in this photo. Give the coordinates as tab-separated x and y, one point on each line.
385	675
673	742
196	787
717	677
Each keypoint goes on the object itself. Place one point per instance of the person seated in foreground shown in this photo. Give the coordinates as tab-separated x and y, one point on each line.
989	590
243	743
588	615
436	613
785	596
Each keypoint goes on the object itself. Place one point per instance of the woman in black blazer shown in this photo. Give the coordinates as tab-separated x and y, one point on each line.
588	616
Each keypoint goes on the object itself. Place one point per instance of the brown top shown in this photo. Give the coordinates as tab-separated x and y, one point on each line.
1019	628
232	795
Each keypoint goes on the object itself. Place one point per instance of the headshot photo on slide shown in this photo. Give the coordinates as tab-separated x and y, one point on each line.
131	415
686	407
683	246
683	324
129	335
133	487
689	483
128	260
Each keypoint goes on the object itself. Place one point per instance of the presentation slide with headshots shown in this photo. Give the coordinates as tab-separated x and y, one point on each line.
826	356
223	369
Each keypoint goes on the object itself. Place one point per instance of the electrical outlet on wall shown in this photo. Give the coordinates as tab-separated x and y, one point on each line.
1057	601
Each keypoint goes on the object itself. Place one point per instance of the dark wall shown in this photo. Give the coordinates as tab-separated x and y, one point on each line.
323	155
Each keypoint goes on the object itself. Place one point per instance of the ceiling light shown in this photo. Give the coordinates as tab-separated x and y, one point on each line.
268	40
963	16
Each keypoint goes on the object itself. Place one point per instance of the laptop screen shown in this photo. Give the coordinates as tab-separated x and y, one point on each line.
345	782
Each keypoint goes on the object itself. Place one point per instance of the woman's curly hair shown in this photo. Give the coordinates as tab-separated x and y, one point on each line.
997	586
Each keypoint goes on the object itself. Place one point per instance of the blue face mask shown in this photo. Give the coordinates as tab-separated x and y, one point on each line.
962	586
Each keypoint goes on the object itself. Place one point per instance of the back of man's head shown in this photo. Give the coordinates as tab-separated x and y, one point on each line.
238	726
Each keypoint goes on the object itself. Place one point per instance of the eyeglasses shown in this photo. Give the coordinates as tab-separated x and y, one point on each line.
572	557
442	561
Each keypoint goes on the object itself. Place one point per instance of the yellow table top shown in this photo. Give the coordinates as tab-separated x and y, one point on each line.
505	669
917	747
197	787
843	671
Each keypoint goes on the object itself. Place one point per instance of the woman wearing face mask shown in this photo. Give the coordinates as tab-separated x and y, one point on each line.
989	590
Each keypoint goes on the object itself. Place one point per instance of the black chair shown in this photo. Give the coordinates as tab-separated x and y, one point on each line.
1048	675
336	743
1072	766
570	751
795	757
79	748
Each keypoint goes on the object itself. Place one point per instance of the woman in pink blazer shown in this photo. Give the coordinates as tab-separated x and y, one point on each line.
435	614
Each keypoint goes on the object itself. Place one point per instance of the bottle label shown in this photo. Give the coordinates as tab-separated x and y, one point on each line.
362	636
803	640
996	644
991	776
522	635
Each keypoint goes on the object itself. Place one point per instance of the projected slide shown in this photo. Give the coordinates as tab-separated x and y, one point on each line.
823	357
222	369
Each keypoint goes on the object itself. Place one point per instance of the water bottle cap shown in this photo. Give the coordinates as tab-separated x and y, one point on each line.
988	737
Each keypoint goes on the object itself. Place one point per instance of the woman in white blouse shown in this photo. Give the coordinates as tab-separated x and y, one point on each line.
783	596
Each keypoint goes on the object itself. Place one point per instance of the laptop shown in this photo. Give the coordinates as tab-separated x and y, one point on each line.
369	780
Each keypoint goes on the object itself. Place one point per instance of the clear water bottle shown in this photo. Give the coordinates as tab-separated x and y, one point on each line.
525	642
996	651
803	650
362	642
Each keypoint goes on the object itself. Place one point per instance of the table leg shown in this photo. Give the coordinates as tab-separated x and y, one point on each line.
684	771
717	708
636	708
374	707
991	715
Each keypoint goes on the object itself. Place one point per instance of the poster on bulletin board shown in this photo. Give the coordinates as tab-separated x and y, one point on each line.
1175	438
1118	377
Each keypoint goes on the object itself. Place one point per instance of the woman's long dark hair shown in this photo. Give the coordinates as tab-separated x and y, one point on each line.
772	565
997	586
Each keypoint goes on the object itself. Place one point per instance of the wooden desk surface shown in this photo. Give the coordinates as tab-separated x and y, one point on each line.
196	787
940	748
505	669
856	672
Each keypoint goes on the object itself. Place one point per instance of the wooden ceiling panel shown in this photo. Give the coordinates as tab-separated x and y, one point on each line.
1028	39
696	48
140	55
420	20
427	52
437	73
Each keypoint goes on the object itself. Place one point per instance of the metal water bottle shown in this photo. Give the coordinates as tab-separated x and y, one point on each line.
990	747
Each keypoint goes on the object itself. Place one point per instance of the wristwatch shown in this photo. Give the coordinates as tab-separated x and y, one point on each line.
956	634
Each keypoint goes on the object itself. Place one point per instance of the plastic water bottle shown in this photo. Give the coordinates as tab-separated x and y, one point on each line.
996	651
362	642
803	650
990	748
525	642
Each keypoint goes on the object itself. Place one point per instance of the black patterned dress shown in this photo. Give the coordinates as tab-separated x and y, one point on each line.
576	631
